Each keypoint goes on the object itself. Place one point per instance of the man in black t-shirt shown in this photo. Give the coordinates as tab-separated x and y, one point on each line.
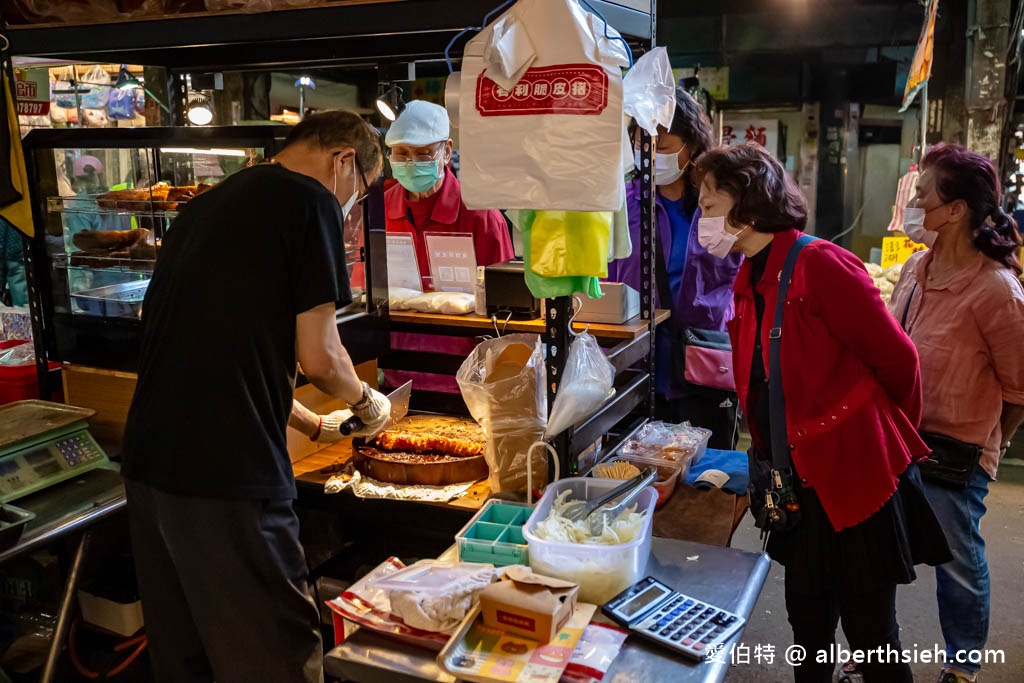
246	286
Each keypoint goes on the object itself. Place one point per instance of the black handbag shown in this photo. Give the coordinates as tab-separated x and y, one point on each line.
772	488
952	462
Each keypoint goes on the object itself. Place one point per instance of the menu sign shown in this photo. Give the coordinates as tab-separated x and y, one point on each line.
452	259
32	92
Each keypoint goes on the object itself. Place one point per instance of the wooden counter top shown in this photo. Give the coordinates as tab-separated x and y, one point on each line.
309	471
629	330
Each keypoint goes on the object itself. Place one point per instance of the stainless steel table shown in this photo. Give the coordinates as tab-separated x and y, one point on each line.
724	577
62	509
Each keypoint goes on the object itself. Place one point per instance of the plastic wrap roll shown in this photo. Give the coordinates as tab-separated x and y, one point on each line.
451	96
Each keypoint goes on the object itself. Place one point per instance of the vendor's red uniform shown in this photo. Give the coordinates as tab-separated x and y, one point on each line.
444	211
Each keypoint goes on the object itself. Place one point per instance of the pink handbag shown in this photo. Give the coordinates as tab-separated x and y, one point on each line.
707	359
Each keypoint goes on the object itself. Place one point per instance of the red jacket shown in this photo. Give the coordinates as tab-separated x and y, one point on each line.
849	373
449	214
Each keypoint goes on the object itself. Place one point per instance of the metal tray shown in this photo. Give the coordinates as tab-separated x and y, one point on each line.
23	420
12	525
113	301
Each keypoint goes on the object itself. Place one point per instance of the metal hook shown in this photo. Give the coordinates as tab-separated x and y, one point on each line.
504	327
576	308
7	43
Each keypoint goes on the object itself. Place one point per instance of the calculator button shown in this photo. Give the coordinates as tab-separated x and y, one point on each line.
652	628
677	637
687	641
665	631
698	646
687	603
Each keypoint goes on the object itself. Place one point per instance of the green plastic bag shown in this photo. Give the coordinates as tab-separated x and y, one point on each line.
548	287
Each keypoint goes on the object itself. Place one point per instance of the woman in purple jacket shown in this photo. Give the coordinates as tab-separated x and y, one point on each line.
695	285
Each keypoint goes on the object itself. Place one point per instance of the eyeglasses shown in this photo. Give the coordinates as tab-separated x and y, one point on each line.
402	159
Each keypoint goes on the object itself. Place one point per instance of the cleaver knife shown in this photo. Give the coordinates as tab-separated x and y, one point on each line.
399	408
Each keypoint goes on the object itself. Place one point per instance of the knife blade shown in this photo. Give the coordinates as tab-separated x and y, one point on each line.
399	409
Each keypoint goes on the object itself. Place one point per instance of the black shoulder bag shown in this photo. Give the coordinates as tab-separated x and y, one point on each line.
952	462
772	488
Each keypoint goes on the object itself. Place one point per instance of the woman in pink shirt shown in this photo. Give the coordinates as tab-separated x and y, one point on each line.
963	306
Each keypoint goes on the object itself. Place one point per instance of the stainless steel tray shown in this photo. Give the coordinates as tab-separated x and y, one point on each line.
113	301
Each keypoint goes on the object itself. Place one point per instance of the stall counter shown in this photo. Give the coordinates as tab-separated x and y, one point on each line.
727	578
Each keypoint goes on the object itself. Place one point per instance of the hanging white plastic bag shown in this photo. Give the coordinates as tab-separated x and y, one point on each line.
550	135
586	385
98	94
502	383
649	91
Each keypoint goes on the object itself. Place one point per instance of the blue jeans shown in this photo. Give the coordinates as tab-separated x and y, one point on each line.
962	585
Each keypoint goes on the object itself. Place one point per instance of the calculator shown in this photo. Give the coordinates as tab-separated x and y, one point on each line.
686	625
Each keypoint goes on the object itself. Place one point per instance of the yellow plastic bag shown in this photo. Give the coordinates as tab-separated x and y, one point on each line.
570	243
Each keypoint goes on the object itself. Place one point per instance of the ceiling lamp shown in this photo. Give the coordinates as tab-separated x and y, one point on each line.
200	112
390	103
125	79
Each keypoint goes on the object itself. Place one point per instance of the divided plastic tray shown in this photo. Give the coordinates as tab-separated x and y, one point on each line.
495	534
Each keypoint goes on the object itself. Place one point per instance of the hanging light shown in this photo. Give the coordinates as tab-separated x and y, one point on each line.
125	79
389	102
303	83
200	112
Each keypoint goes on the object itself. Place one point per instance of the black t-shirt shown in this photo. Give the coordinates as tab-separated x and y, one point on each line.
217	370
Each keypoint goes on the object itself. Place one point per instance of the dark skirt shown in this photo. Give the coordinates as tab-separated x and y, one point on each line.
880	551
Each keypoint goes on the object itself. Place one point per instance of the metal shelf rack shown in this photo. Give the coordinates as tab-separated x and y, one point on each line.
378	32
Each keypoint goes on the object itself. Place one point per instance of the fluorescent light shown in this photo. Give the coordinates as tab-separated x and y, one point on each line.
196	150
386	111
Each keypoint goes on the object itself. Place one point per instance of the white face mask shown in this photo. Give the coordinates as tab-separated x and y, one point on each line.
347	206
712	235
666	167
913	225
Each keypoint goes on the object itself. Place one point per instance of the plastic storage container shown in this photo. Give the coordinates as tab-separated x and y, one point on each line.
19	382
602	571
669	473
12	524
495	534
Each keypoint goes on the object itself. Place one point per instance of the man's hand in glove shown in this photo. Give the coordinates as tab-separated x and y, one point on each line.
329	424
374	410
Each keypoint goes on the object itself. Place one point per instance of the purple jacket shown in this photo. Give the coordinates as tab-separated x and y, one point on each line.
705	298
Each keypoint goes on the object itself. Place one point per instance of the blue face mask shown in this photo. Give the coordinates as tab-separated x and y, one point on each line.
417	176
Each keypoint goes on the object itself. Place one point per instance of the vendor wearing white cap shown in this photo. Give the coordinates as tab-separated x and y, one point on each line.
428	197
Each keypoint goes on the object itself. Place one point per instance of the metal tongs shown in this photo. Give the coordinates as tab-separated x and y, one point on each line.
580	510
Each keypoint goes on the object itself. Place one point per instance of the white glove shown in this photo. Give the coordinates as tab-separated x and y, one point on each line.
329	425
374	410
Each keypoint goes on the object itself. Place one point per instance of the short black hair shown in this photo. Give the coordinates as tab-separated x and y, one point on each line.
336	127
766	197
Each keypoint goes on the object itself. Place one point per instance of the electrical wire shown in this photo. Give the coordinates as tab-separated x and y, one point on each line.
853	225
140	643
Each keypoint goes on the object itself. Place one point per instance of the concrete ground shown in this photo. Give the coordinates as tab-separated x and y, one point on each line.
1003	528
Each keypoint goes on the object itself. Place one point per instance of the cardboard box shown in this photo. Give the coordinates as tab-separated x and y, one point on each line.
528	605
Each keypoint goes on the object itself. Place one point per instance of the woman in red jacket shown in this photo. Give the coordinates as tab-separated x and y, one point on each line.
852	389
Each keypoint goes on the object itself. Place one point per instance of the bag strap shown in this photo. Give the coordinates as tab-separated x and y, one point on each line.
906	309
777	406
661	274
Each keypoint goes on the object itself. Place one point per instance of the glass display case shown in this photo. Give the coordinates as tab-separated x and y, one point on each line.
103	202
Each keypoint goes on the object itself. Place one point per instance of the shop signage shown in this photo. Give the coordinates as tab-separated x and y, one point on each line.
713	79
32	92
452	261
580	89
764	132
403	268
898	250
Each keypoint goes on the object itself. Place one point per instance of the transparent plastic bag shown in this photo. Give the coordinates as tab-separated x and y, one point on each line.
502	383
586	385
598	647
98	82
649	91
672	442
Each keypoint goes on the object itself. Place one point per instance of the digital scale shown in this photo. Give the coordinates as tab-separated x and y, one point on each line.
686	625
42	444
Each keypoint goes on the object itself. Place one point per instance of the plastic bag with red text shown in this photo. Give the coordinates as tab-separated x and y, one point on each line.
598	647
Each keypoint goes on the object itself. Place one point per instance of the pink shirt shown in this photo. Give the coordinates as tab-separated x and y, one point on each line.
967	329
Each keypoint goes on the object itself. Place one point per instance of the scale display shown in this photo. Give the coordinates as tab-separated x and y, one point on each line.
60	456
